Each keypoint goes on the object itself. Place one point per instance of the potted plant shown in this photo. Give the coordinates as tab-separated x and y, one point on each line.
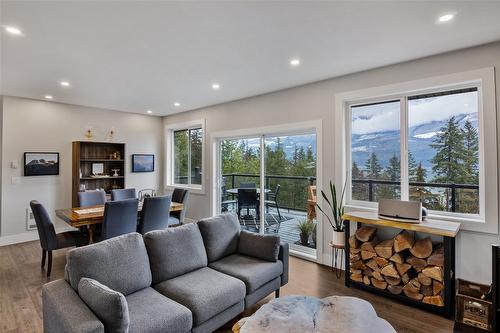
337	210
305	228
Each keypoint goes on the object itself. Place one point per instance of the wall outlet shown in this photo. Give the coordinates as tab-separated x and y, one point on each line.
16	180
30	220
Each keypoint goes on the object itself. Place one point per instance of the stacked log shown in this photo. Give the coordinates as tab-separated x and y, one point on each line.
402	265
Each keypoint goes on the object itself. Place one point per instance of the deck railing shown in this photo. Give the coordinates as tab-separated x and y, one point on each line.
451	190
293	191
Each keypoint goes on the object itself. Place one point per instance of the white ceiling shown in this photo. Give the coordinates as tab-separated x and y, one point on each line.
134	56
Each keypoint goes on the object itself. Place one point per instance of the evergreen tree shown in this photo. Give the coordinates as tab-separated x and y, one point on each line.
373	167
393	170
448	164
420	174
412	167
470	154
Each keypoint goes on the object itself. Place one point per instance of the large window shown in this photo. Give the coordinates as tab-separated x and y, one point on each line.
421	147
187	156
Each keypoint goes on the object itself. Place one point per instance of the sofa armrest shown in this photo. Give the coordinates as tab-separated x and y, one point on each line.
65	312
284	257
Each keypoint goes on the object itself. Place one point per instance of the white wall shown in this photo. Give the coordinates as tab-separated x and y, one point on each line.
31	125
317	101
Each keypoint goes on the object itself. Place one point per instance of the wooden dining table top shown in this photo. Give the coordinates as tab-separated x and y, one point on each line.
84	216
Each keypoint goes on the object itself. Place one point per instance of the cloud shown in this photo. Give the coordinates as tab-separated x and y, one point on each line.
385	117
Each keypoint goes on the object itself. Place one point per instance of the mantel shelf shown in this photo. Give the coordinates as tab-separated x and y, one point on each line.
429	226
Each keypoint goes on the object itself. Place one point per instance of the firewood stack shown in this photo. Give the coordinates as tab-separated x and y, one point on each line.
401	265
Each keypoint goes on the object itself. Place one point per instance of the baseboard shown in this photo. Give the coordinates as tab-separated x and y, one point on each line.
27	236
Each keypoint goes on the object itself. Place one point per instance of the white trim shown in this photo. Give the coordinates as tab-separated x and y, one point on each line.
315	126
169	160
27	236
484	79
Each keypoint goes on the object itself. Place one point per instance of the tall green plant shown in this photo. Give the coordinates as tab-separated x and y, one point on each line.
336	206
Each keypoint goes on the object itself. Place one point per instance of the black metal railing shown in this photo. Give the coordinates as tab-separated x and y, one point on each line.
293	189
451	195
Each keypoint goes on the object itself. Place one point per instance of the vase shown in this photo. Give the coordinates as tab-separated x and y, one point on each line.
304	239
338	238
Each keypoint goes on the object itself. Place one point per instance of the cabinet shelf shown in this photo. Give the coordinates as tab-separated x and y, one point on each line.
101	178
100	160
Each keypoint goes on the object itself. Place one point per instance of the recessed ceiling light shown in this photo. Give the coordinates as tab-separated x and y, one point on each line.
446	18
13	30
215	86
295	62
48	96
176	104
65	83
149	111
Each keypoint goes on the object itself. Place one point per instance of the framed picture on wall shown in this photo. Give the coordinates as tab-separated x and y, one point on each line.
41	164
143	163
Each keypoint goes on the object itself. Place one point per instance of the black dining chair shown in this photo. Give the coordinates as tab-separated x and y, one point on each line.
49	240
91	198
123	194
272	200
248	185
155	214
120	217
226	200
179	195
247	198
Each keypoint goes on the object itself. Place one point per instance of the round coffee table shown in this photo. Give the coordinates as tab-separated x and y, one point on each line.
334	314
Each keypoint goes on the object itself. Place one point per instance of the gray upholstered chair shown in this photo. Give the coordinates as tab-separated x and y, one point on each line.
120	217
91	198
123	194
179	195
49	240
155	214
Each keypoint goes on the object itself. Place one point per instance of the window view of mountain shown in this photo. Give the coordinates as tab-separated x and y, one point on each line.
443	151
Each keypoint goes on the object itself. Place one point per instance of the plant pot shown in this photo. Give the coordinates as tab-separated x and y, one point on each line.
304	239
338	238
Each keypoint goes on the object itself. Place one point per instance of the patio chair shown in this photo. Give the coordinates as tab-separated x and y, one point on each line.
272	200
248	185
247	198
226	202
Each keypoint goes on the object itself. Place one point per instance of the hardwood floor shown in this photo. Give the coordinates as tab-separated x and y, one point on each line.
21	280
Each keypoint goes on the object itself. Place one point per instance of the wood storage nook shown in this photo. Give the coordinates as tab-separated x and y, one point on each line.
411	267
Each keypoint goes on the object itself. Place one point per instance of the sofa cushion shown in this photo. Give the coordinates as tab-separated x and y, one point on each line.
220	235
206	292
175	251
265	247
151	312
120	263
108	305
252	271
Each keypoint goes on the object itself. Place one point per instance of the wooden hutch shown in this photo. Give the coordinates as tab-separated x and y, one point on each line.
109	156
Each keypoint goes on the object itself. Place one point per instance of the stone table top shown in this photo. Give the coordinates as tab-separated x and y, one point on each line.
297	314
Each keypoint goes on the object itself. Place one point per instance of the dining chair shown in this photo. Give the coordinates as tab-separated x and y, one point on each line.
123	194
146	193
247	198
248	185
91	198
49	240
179	195
155	214
226	199
272	200
120	217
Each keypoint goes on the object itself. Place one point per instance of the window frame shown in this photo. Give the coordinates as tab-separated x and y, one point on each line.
170	130
483	80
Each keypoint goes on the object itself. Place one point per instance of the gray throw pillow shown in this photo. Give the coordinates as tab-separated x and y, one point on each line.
265	247
108	305
220	235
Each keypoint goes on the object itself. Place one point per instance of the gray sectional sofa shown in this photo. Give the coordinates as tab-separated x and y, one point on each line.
193	278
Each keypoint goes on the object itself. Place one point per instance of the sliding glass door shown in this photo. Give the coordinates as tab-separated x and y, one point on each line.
269	181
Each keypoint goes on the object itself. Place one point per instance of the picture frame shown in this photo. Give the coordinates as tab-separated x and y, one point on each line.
143	162
41	164
97	169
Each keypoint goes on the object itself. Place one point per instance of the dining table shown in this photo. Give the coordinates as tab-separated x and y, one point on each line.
78	217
